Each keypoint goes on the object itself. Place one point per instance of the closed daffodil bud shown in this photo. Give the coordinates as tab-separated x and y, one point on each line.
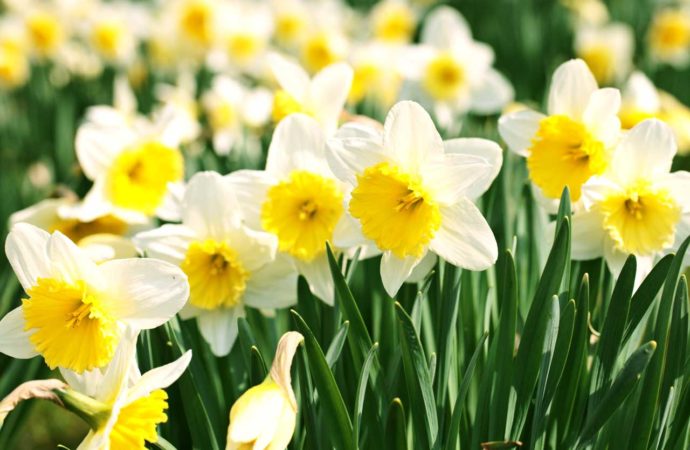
263	418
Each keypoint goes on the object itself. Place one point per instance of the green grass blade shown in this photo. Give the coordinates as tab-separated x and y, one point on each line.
361	391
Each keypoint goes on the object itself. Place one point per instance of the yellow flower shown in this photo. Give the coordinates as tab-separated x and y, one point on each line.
14	63
45	31
263	418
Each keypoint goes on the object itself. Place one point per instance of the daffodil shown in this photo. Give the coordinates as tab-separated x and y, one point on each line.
113	30
228	264
322	97
75	311
299	200
453	74
412	192
636	207
131	165
573	142
669	36
46	30
607	50
121	406
264	417
377	74
323	47
291	22
14	57
393	21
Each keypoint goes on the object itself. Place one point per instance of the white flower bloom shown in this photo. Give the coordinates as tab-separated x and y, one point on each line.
574	141
322	97
298	199
607	50
412	192
636	207
228	264
453	74
669	36
76	311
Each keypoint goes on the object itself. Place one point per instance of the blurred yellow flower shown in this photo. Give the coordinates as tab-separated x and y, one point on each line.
669	36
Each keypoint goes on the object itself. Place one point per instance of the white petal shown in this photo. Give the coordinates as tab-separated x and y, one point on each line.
411	135
144	292
26	249
250	187
588	236
258	418
615	259
646	151
255	248
640	93
274	286
116	375
348	233
14	341
210	206
465	238
328	92
318	275
70	263
97	146
444	27
170	208
450	177
43	214
354	147
492	94
596	189
483	148
159	378
298	143
519	128
219	329
571	87
601	115
678	184
169	242
422	269
290	76
94	440
395	271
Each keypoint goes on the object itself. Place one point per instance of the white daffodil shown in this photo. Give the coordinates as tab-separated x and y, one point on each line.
121	406
453	74
393	21
46	28
377	74
75	311
264	417
636	207
574	141
228	264
114	31
291	22
233	109
298	199
180	98
103	238
669	36
131	166
15	66
412	192
322	97
607	50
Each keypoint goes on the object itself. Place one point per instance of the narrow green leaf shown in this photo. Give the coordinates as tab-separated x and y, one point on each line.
361	390
337	344
396	429
561	350
257	368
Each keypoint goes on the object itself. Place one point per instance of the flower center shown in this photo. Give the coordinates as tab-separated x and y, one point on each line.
641	220
288	27
76	230
444	77
395	210
136	423
303	212
563	153
222	116
397	24
243	46
318	52
14	67
600	60
139	177
196	20
71	327
45	32
107	38
217	278
670	31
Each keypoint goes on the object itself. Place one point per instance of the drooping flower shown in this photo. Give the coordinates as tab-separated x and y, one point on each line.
228	264
298	199
636	207
264	417
574	141
412	192
75	311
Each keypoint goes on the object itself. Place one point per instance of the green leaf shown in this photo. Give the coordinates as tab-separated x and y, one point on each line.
361	390
396	429
257	368
336	418
418	380
337	344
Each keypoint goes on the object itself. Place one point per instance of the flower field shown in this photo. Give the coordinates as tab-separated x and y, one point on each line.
331	224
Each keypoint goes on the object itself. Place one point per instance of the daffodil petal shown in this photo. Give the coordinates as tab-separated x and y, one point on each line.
588	235
318	275
298	143
210	206
290	76
518	129
328	92
169	242
159	378
411	133
395	271
250	187
571	87
273	285
14	340
484	148
219	329
25	248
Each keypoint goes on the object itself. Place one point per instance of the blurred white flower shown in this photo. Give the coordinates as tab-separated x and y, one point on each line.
607	50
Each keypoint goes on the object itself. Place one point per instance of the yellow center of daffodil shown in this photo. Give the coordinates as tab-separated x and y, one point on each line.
444	77
318	52
77	230
670	31
288	27
303	211
222	115
395	210
397	24
136	423
564	153
45	32
242	47
217	278
107	37
14	66
600	60
285	104
196	21
69	325
641	220
139	177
